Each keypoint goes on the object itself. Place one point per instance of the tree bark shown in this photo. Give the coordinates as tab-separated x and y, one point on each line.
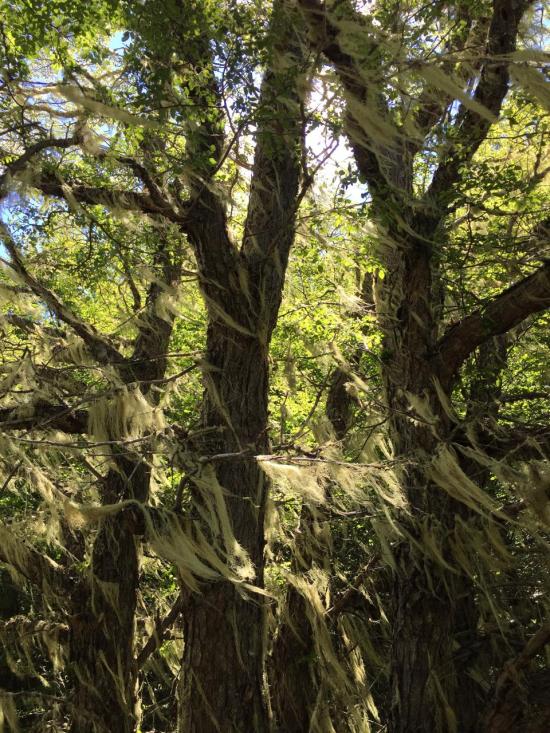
223	687
425	610
102	656
294	677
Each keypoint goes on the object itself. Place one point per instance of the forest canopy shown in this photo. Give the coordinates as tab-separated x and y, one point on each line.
274	382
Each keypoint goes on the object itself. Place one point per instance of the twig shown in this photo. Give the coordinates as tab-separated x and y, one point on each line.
162	626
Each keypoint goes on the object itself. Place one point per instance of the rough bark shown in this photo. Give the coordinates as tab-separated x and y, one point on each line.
294	677
222	686
102	656
426	607
222	679
101	660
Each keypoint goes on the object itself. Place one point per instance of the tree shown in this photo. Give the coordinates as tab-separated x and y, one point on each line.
242	289
348	488
422	358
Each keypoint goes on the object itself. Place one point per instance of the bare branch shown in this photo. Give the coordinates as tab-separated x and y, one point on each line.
158	198
344	599
28	325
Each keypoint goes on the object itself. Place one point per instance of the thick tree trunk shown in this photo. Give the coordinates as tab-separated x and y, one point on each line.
227	693
295	685
222	687
421	658
434	608
431	606
422	676
425	621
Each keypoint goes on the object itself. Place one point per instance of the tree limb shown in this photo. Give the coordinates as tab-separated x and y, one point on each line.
471	128
503	715
157	196
499	315
28	325
44	416
39	569
20	163
162	626
21	626
271	216
325	36
530	442
145	203
99	346
349	595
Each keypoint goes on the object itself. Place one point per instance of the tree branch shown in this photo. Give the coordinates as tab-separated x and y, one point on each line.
162	626
44	416
325	36
344	599
503	715
99	346
472	128
20	163
39	569
499	315
156	194
433	102
271	216
51	185
205	222
530	442
28	325
21	626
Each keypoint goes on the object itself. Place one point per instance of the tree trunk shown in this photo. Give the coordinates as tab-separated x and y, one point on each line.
101	649
101	640
431	605
425	620
227	694
421	659
222	686
422	680
102	664
293	675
